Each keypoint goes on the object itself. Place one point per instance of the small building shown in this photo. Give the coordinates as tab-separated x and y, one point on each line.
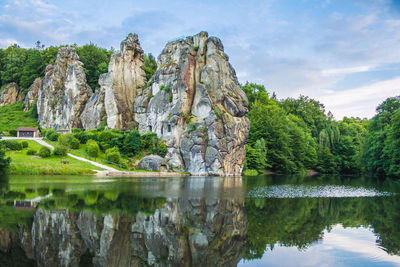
64	131
27	132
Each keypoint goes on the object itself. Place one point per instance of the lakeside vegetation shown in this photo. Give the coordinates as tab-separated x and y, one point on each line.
116	148
295	135
27	159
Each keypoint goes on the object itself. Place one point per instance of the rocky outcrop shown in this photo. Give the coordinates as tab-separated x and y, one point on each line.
64	92
153	163
183	232
94	114
10	94
32	95
124	80
196	103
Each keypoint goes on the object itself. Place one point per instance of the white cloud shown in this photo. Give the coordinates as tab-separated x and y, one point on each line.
362	101
341	71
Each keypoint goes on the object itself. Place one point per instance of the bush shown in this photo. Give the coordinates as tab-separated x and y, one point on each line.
62	140
12	132
12	144
162	149
60	150
52	135
31	151
74	143
24	144
44	152
92	148
113	155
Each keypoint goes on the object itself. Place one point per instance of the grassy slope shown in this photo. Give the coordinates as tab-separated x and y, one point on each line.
82	153
25	164
13	116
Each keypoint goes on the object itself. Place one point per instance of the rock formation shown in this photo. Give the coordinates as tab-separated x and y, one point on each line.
32	95
64	92
94	114
183	232
196	103
124	80
10	94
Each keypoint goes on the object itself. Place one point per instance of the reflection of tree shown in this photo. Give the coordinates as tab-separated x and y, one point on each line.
301	221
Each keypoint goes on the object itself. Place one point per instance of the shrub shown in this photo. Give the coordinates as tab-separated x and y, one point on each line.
63	140
44	152
12	144
31	151
60	150
24	144
105	136
52	135
77	130
92	148
113	155
74	143
162	149
12	132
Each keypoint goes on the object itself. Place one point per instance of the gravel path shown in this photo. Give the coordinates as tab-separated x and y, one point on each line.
43	143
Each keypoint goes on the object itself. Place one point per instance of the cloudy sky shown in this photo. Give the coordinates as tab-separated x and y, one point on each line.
344	53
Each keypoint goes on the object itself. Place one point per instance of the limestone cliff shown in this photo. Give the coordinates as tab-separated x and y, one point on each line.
32	95
124	80
64	92
196	103
10	94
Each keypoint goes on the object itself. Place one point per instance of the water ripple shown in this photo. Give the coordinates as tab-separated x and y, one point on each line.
294	191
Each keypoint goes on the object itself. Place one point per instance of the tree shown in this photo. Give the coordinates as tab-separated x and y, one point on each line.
95	61
4	162
150	65
92	148
32	69
13	58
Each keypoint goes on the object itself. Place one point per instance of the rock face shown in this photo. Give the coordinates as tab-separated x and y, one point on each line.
64	92
32	95
196	103
10	94
123	81
152	163
94	113
183	232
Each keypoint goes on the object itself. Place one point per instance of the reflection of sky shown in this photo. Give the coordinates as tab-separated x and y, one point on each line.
340	247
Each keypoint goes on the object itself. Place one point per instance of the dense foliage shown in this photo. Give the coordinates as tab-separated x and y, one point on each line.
295	135
4	162
382	149
23	65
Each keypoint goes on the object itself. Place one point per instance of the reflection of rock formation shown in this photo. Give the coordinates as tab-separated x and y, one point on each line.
184	232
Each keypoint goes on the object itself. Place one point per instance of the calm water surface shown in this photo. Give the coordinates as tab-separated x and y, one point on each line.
198	221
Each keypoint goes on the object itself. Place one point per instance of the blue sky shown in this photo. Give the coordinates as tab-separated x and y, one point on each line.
344	53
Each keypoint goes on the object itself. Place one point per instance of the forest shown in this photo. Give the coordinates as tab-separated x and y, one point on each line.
286	136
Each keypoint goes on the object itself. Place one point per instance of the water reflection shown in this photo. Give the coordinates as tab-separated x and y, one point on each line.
187	222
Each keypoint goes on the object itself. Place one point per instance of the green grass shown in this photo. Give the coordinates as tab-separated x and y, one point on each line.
82	153
12	116
23	164
250	172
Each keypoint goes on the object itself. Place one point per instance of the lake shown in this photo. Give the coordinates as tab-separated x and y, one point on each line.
199	221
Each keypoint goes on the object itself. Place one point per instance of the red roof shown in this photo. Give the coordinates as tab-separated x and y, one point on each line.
34	129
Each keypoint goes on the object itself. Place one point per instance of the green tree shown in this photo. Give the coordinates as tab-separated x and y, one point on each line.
13	59
92	148
95	61
4	162
150	65
32	69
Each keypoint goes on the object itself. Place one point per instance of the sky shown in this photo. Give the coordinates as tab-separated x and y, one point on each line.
346	54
